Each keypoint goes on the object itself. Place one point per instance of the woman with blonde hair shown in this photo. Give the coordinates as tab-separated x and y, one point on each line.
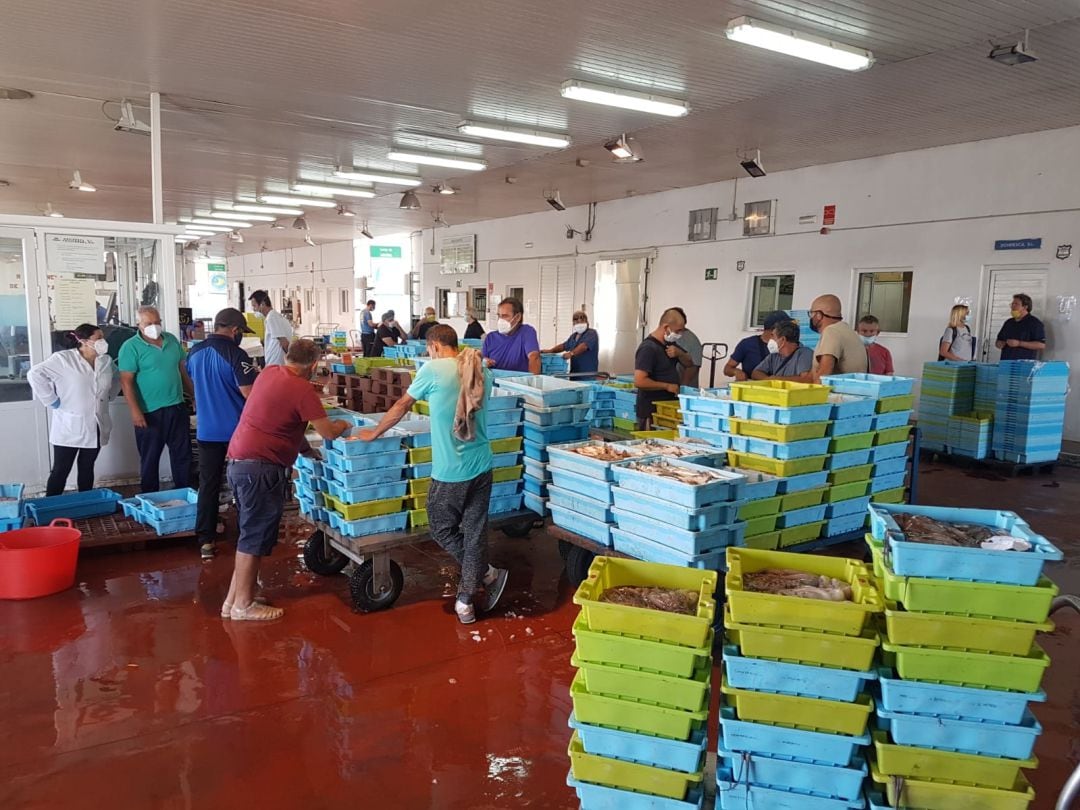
957	343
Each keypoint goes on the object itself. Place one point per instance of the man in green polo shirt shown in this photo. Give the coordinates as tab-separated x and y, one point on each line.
154	379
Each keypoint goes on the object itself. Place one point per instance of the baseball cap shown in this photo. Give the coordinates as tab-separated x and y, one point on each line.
775	317
230	317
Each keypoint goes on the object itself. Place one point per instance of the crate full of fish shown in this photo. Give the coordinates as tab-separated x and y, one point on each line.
979	545
689	485
800	591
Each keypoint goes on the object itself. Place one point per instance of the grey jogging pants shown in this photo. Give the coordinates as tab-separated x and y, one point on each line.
458	518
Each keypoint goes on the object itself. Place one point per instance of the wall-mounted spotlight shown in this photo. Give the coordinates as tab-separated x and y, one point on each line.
552	198
752	163
625	149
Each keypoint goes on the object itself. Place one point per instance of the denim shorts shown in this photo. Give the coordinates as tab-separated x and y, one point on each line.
260	488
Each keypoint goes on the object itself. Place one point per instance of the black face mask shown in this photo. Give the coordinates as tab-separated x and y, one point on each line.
238	338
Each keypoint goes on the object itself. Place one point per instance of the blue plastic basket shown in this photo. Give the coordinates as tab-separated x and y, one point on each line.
678	517
890	466
369	461
559	415
556	434
847	406
883	483
594	488
545	392
92	503
536	452
359	478
310	466
875	386
683	541
719	441
11	508
884	421
763	675
508	503
372	492
781	416
419	470
761	485
659	752
565	457
132	508
887	451
849	458
505	460
503	431
780	450
726	486
535	503
189	508
594	530
851	425
963	736
800	517
507	417
181	525
391	440
731	795
373	525
954	702
717	403
585	506
852	506
783	773
761	738
801	483
599	797
501	400
534	486
705	421
844	524
536	469
641	548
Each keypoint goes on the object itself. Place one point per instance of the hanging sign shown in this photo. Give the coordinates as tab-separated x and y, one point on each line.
68	255
1018	244
828	215
217	276
385	252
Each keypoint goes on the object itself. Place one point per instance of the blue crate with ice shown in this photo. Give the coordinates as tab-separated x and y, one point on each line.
800	775
681	482
802	680
715	402
801	483
595	530
780	450
575	502
594	488
600	797
883	483
762	738
556	434
358	478
874	386
800	517
954	702
684	541
354	446
659	752
718	441
641	548
851	425
679	517
1010	553
844	524
851	506
559	415
545	392
884	421
368	526
849	458
849	406
777	415
535	503
963	736
72	505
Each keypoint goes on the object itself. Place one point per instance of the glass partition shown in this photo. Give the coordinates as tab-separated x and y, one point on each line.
14	322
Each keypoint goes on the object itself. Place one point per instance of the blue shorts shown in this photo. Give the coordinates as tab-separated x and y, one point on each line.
260	488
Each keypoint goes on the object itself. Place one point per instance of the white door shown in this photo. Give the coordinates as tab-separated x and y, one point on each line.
556	303
1003	283
26	442
617	314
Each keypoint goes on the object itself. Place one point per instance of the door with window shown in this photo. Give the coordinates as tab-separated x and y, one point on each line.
556	303
1003	282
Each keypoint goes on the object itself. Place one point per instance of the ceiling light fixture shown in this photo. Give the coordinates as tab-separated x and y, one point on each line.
303	202
240	216
277	226
52	212
216	227
444	188
219	222
1018	54
752	163
236	236
498	132
308	240
626	99
436	159
625	149
198	229
553	199
374	176
344	212
300	223
128	122
366	232
332	191
77	183
799	44
259	208
409	201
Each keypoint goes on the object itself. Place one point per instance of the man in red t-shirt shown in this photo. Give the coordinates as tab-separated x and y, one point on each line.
879	357
267	440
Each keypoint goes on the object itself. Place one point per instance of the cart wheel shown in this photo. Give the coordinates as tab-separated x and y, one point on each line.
578	561
519	529
362	587
564	549
319	561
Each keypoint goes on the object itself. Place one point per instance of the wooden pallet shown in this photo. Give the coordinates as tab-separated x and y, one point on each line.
118	530
1012	469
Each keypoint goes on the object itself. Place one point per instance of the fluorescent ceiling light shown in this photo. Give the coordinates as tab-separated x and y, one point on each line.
374	176
77	183
242	217
335	191
199	229
435	159
498	132
259	208
218	222
236	236
799	44
626	99
216	227
303	202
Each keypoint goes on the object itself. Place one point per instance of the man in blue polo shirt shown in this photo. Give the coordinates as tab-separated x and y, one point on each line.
514	345
223	374
750	351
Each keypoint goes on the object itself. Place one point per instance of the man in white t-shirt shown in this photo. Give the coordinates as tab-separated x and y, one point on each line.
278	332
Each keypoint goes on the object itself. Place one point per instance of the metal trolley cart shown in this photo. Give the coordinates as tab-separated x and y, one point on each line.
377	581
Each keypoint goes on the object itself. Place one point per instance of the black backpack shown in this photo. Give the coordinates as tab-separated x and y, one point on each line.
955	332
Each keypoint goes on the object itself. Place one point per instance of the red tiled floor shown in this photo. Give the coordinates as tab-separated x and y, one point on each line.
130	692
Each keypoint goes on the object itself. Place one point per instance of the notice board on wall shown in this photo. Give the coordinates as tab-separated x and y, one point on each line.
70	255
458	254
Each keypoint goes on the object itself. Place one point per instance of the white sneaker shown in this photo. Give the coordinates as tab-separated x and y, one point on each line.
466	613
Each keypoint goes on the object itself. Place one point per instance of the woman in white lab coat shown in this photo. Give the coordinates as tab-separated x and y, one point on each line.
77	384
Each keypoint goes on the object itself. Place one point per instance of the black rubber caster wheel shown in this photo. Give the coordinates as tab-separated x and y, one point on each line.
578	561
564	549
321	561
519	529
362	587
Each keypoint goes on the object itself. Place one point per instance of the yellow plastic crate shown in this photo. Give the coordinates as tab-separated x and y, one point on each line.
625	425
845	618
667	423
626	775
673	628
500	474
420	455
355	511
930	764
945	796
628	715
776	466
668	409
804	646
780	392
655	434
898	495
793	535
892	435
690	694
511	445
769	540
844	492
416	502
890	404
802	499
419	486
763	507
849	475
808	714
778	433
417	518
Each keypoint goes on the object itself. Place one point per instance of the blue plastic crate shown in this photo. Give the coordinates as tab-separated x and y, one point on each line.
164	526
593	530
391	440
373	525
783	773
683	541
505	460
847	406
132	508
559	415
705	421
875	386
640	548
731	795
545	392
599	797
508	417
305	493
849	458
780	450
535	503
761	485
881	483
911	559
556	434
852	506
725	485
372	492
844	524
800	517
369	461
418	430
11	507
534	486
359	478
74	505
963	736
678	517
890	466
705	403
884	421
583	485
803	680
781	416
659	752
576	502
954	702
536	452
309	466
507	503
151	500
718	441
886	451
851	425
501	400
503	431
10	524
537	470
801	483
761	738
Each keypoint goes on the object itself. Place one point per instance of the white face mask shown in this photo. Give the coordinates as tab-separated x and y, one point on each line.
258	315
672	337
153	331
101	347
774	347
580	327
504	326
868	340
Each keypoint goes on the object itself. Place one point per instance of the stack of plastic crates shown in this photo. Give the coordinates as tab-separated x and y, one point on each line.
310	486
985	388
624	407
553	364
602	399
885	447
171	511
807	336
970	435
366	490
505	423
1030	414
11	512
947	389
705	414
641	693
962	665
796	688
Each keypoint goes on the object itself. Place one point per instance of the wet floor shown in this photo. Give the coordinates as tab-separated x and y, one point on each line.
130	692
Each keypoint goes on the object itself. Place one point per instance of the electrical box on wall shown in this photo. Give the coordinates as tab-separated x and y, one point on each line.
759	218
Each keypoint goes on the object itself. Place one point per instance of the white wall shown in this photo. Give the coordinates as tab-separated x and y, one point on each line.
936	211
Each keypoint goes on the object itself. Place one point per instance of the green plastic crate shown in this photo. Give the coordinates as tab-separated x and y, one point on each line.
628	715
1002	636
421	406
419	486
794	535
767	541
850	475
845	492
776	466
760	508
500	474
890	404
803	646
630	776
761	525
356	511
807	714
511	445
927	763
855	441
690	694
1015	673
629	651
892	435
420	455
626	425
418	518
802	500
778	433
898	495
947	796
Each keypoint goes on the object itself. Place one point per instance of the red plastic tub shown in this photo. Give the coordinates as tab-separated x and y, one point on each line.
38	561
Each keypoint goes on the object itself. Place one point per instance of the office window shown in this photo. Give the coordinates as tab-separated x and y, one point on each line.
450	303
886	294
769	293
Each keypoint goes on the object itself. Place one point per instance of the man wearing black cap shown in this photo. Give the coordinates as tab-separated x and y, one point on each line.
223	374
750	351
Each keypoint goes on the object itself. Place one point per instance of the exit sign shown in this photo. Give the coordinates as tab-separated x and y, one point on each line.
385	252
